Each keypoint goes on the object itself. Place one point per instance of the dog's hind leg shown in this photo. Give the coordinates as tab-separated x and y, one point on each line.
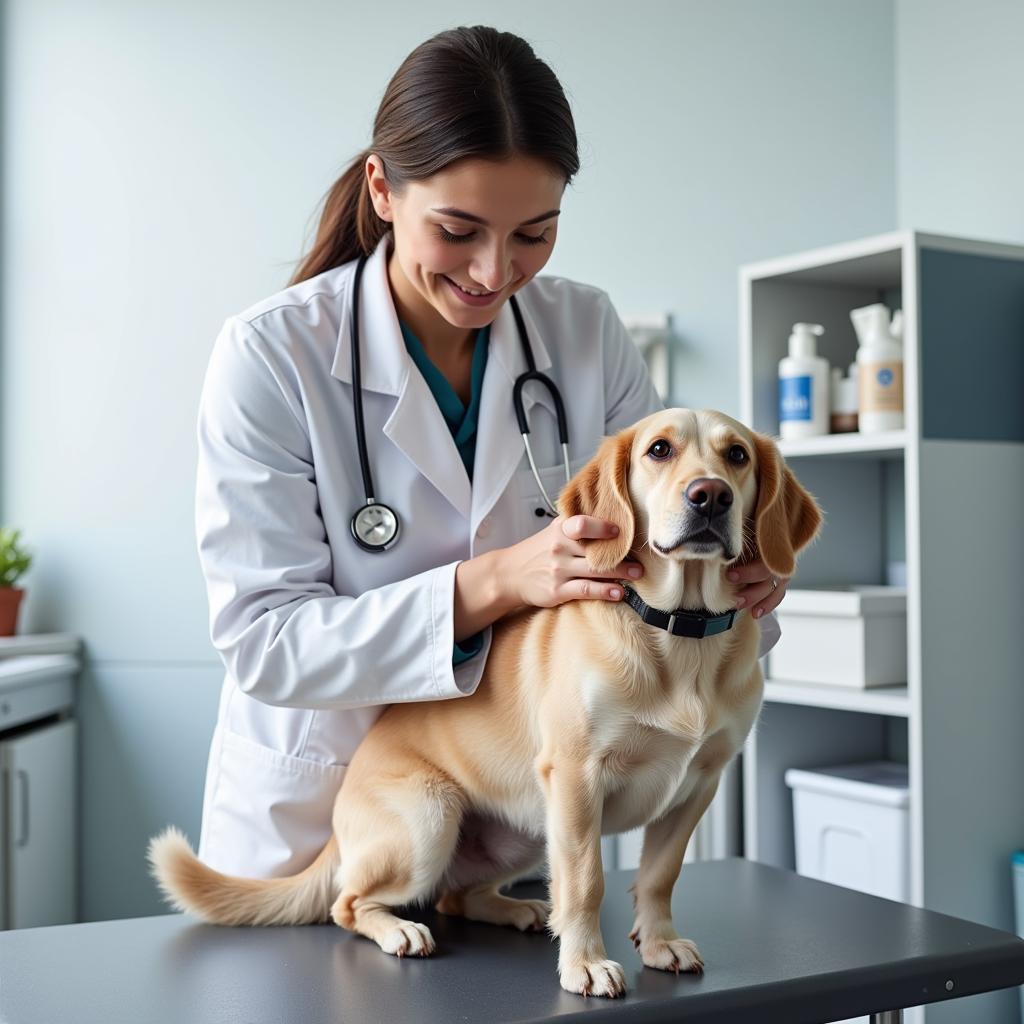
397	836
491	853
485	903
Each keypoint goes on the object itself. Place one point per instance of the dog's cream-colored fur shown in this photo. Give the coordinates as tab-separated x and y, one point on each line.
586	721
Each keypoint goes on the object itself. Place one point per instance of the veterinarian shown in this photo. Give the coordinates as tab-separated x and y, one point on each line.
324	612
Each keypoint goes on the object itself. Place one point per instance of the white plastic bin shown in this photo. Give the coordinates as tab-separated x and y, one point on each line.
852	826
845	636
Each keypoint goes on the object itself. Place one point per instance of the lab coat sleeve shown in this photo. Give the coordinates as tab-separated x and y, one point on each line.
631	396
284	634
771	631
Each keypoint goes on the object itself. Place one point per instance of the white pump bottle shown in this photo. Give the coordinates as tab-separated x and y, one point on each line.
803	385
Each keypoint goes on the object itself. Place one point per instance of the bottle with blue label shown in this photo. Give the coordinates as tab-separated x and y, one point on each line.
803	385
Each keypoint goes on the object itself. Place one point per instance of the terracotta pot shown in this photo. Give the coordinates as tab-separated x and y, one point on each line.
10	599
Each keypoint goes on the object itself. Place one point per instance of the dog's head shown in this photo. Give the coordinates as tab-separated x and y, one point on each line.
693	485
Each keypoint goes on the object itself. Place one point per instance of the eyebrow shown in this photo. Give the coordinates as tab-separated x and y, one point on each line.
451	211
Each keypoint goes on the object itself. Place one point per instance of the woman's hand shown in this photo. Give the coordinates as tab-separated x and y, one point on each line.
550	567
762	591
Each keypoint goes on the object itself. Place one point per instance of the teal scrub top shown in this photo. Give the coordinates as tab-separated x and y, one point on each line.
461	420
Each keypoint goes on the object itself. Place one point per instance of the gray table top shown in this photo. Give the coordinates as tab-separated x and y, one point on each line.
777	948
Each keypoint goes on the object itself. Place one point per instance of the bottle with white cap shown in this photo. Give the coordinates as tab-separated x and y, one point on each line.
803	385
880	361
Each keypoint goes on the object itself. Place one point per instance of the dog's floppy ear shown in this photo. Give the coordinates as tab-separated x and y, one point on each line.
787	517
601	489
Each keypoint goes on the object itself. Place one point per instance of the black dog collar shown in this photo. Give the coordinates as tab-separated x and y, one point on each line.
683	621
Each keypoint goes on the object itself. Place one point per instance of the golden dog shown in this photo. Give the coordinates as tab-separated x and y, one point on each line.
587	721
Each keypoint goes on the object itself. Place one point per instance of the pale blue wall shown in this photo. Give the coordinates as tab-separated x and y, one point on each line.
960	111
162	164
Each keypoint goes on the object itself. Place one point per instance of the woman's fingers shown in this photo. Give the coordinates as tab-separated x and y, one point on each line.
583	582
761	591
592	589
627	570
771	602
589	528
750	572
762	597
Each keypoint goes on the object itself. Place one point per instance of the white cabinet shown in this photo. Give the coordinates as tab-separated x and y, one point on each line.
38	787
38	790
938	505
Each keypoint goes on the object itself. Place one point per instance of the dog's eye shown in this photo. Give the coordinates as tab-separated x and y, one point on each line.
738	454
660	450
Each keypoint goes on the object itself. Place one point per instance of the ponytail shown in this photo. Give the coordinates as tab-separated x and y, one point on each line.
349	226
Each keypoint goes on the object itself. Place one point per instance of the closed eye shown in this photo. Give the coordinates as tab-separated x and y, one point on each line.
521	236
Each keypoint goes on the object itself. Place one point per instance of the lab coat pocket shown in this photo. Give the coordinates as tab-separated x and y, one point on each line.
267	814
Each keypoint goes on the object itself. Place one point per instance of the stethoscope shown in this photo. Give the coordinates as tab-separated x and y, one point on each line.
376	526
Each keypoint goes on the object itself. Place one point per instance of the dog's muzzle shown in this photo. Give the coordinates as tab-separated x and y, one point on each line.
707	503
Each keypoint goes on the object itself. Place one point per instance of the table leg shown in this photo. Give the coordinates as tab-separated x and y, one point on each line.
887	1017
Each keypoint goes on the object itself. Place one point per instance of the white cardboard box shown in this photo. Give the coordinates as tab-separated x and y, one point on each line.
852	826
844	636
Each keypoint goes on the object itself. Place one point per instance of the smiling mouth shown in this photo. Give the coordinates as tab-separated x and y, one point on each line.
474	293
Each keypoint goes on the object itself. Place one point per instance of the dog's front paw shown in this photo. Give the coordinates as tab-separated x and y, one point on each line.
668	954
593	977
409	938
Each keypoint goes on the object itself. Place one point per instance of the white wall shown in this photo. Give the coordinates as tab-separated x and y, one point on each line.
162	165
960	112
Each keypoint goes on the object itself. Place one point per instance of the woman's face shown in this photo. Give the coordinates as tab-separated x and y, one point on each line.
479	226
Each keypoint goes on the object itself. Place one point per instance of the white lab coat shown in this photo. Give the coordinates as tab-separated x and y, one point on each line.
317	635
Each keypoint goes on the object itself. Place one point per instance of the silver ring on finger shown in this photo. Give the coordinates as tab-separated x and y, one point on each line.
775	584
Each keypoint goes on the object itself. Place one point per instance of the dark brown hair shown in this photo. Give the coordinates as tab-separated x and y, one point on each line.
467	92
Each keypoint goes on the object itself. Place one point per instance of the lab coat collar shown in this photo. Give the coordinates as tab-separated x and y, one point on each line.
499	445
416	424
383	360
386	364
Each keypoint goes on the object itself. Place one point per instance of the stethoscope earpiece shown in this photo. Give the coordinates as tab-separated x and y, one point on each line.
376	527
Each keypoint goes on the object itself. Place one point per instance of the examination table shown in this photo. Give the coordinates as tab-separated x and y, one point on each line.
778	949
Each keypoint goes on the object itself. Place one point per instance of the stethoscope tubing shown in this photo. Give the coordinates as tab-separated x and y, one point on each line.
391	527
357	388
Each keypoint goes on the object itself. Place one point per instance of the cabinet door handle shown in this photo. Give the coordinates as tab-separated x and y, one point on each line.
23	777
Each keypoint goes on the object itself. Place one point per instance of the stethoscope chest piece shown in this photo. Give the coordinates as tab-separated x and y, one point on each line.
375	527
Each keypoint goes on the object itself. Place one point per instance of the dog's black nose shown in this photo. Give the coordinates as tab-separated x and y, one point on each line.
709	497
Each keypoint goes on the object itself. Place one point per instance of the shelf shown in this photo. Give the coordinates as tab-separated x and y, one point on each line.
874	261
884	700
890	443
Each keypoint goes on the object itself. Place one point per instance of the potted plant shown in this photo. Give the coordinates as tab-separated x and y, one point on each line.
14	560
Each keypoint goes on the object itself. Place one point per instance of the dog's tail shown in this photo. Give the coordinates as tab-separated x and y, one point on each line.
188	884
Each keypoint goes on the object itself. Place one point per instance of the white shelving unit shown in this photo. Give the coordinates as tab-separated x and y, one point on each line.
944	496
891	442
